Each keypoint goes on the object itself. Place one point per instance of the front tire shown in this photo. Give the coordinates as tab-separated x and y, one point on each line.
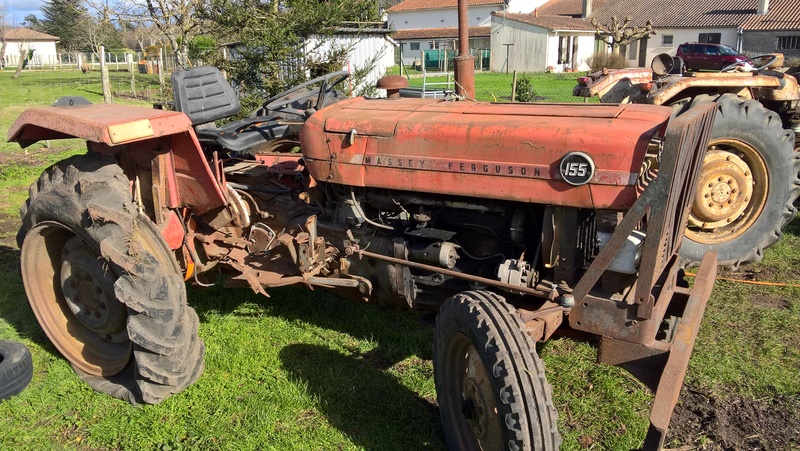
747	186
490	383
104	286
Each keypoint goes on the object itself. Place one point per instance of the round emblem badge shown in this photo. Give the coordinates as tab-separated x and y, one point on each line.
577	168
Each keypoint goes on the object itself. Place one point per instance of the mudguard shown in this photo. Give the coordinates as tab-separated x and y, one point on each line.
141	134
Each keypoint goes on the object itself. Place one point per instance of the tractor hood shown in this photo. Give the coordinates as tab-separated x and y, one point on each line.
508	151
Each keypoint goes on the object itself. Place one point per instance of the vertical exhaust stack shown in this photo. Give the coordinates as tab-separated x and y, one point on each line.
464	62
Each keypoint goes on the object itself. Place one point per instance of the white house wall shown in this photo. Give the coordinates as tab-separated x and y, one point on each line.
479	16
680	36
44	54
530	49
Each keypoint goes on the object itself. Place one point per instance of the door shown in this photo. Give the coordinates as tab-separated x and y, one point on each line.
643	53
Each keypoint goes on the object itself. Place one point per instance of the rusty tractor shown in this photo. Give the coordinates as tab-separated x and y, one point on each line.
750	179
515	221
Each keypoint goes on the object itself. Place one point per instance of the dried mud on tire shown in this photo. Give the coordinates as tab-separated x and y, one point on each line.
704	421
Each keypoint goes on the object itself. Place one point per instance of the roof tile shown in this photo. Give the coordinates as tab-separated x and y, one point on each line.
416	5
26	34
439	33
549	22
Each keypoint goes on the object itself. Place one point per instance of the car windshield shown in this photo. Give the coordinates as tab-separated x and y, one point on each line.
725	50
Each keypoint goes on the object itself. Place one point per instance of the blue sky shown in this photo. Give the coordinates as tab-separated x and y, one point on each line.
18	9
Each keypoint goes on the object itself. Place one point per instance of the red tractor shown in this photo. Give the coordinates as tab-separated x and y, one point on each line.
515	221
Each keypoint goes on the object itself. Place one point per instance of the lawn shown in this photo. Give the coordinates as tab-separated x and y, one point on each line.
307	370
496	87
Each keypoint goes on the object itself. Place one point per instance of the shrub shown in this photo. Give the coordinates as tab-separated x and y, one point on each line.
601	60
525	92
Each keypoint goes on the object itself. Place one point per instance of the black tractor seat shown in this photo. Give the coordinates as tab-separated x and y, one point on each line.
204	95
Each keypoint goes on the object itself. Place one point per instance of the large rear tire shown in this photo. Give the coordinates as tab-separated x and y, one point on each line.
747	186
490	383
104	286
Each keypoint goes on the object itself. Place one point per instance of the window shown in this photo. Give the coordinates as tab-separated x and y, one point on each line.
633	50
710	38
788	43
666	40
414	46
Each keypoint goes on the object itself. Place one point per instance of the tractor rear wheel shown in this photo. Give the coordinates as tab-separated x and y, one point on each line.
490	383
104	286
747	186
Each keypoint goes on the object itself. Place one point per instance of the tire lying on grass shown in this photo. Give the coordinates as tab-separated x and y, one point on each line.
16	368
747	185
490	382
104	286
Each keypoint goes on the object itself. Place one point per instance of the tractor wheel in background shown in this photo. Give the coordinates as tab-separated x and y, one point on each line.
104	286
746	187
490	382
16	368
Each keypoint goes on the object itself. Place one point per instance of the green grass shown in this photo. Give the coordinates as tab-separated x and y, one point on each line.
306	370
496	87
42	87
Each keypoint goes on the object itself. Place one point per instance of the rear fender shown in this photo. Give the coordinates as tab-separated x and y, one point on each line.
157	149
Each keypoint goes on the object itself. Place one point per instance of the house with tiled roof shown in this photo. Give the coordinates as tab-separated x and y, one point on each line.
750	26
424	25
535	43
43	46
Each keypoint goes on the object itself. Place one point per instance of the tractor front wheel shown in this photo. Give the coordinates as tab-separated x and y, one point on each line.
489	381
104	286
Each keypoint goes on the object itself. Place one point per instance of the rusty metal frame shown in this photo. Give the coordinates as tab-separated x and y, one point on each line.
629	327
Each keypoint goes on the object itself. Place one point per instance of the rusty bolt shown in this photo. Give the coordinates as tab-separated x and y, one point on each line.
392	84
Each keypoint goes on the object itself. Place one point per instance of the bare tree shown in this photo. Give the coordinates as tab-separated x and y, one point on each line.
177	20
24	48
616	34
3	26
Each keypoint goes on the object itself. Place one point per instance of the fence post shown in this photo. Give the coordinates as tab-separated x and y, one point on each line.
514	87
131	65
161	68
104	76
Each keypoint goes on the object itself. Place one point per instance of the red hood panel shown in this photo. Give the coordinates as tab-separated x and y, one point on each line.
502	151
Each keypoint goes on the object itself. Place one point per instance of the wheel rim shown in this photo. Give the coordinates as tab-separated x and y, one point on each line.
470	401
731	193
71	291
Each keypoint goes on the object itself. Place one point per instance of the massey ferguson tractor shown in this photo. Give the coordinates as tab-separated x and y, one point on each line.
515	222
749	180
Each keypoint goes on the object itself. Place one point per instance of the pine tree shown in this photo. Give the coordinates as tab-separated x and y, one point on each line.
63	19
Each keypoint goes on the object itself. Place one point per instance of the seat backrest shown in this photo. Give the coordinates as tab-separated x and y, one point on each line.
203	94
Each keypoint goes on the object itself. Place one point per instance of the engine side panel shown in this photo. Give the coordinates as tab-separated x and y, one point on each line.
499	151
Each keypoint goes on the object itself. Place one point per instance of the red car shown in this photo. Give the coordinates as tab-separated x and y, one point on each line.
708	56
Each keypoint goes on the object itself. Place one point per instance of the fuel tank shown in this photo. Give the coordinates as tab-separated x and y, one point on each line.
579	155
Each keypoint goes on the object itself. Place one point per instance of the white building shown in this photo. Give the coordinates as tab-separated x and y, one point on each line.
366	47
433	24
529	43
43	46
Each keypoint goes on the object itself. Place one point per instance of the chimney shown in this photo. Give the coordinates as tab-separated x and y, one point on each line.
586	11
536	12
763	7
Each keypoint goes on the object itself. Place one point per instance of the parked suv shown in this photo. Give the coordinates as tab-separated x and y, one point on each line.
708	56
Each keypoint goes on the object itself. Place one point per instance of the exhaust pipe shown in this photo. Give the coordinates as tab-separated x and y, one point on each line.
464	63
